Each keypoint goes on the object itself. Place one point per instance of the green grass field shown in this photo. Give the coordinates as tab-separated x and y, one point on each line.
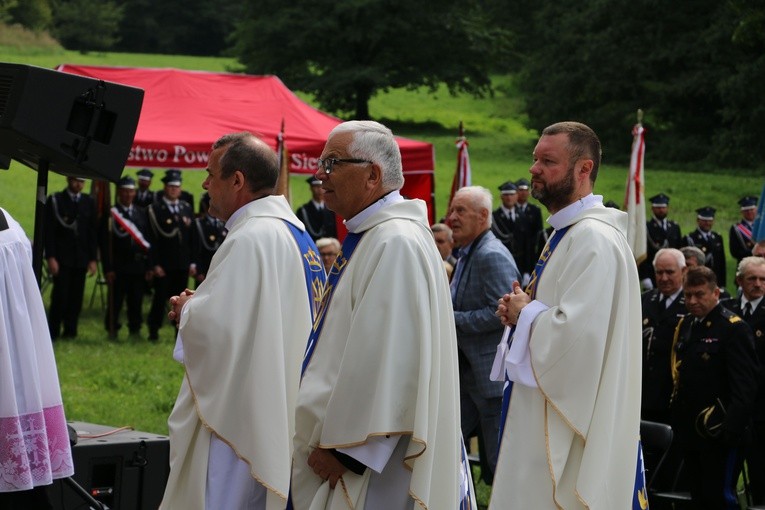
131	382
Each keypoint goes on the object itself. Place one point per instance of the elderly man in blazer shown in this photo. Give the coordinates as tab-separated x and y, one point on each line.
484	270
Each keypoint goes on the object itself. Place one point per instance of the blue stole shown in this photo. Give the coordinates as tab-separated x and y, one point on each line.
349	245
531	290
312	267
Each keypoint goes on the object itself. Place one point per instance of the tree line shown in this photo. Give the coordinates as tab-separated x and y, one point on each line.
695	68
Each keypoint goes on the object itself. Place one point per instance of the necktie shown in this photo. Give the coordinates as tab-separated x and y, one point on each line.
747	312
457	275
128	213
663	302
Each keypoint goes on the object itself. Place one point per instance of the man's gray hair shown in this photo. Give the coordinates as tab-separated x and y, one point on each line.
748	262
693	252
328	241
375	142
480	198
441	227
679	257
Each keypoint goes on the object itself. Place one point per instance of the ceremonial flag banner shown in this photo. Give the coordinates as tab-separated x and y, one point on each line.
758	232
635	200
462	174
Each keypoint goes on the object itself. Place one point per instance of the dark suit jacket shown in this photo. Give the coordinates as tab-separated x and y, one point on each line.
70	230
739	243
713	250
206	236
757	322
144	199
488	273
119	252
715	361
503	229
528	225
171	235
318	222
659	323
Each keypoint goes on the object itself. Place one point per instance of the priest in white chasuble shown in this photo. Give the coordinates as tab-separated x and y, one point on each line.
377	420
241	339
570	437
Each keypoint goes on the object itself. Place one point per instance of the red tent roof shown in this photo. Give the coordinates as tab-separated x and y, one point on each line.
184	112
188	110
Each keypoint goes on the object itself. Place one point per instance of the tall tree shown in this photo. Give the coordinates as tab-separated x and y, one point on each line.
182	27
600	61
35	15
87	26
345	51
743	111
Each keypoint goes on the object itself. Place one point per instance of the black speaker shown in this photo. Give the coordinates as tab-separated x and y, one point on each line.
82	126
125	470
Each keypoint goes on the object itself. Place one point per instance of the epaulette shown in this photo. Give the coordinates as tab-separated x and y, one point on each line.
727	314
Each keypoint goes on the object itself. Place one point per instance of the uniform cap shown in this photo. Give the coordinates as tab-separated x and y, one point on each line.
660	200
172	178
508	188
126	183
705	213
748	203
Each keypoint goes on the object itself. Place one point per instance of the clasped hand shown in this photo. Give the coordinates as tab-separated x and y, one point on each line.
510	305
176	304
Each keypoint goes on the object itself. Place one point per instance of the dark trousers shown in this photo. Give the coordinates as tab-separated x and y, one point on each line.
172	284
482	415
755	459
66	300
128	289
712	472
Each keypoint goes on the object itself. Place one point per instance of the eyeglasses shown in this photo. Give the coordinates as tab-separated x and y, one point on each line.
327	164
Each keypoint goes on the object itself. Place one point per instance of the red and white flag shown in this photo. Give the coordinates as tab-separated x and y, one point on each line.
462	175
635	200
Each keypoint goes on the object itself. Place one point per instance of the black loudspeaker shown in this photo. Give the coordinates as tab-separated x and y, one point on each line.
125	470
81	126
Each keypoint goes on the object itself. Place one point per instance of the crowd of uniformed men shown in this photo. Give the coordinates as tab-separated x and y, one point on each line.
701	346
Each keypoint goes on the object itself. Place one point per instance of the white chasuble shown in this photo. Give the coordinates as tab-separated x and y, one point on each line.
243	335
385	363
572	441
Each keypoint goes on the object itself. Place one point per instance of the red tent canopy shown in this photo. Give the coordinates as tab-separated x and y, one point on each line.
184	112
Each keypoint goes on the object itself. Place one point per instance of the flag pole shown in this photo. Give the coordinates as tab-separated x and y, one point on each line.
634	200
283	185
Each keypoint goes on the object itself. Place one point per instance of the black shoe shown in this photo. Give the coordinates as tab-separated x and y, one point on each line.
153	336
